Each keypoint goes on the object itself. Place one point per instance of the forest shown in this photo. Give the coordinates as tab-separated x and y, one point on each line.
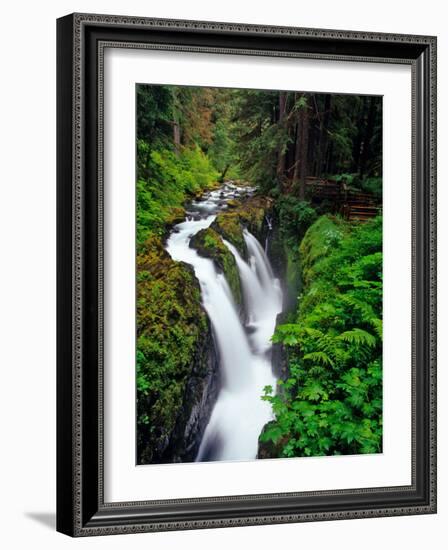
277	192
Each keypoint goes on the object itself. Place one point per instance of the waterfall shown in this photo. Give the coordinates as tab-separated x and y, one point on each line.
260	261
239	413
262	293
217	300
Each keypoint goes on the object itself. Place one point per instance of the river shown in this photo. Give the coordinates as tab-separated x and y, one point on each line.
244	348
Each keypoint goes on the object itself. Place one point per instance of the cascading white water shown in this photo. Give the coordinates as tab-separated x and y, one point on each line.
216	298
262	293
260	260
239	413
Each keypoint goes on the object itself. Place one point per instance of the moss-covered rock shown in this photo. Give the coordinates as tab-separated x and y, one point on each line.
250	213
176	363
233	203
209	244
175	215
228	225
253	213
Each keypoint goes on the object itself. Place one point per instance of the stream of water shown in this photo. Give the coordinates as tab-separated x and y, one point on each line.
244	349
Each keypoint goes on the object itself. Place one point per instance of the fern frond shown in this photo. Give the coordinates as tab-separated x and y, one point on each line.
377	324
319	357
359	337
365	309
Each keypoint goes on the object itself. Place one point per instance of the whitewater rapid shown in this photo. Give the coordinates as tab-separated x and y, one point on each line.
244	350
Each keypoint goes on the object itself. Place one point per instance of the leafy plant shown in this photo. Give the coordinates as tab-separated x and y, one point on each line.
295	216
331	400
170	179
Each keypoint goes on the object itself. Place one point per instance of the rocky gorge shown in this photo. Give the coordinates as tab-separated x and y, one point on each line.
173	314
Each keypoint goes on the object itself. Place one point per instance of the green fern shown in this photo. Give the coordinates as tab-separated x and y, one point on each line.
331	402
359	337
319	357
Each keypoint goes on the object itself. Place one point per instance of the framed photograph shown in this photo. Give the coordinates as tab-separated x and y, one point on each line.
246	274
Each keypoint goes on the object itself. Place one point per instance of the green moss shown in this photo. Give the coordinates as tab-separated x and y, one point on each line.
292	272
253	213
250	213
170	326
175	215
209	244
166	181
228	225
321	237
233	203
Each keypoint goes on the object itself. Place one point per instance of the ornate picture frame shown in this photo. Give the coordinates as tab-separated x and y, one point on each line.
81	507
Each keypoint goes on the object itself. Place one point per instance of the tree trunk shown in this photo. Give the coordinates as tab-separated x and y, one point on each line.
282	100
303	151
358	141
322	164
298	145
224	172
367	138
176	125
176	136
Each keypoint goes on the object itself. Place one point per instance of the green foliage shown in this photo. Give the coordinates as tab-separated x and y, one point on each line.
331	402
322	237
209	244
228	225
344	136
258	135
370	184
187	139
354	131
295	216
373	185
250	214
170	180
154	115
348	179
170	317
172	327
223	150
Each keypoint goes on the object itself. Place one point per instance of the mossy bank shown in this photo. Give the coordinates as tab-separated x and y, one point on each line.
330	400
177	368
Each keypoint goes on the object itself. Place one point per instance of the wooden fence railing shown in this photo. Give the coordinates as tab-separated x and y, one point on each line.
352	205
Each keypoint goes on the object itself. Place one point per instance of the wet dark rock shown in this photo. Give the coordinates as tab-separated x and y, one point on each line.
280	353
269	449
198	401
212	449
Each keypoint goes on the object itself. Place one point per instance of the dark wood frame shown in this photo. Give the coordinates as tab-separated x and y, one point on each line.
81	39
